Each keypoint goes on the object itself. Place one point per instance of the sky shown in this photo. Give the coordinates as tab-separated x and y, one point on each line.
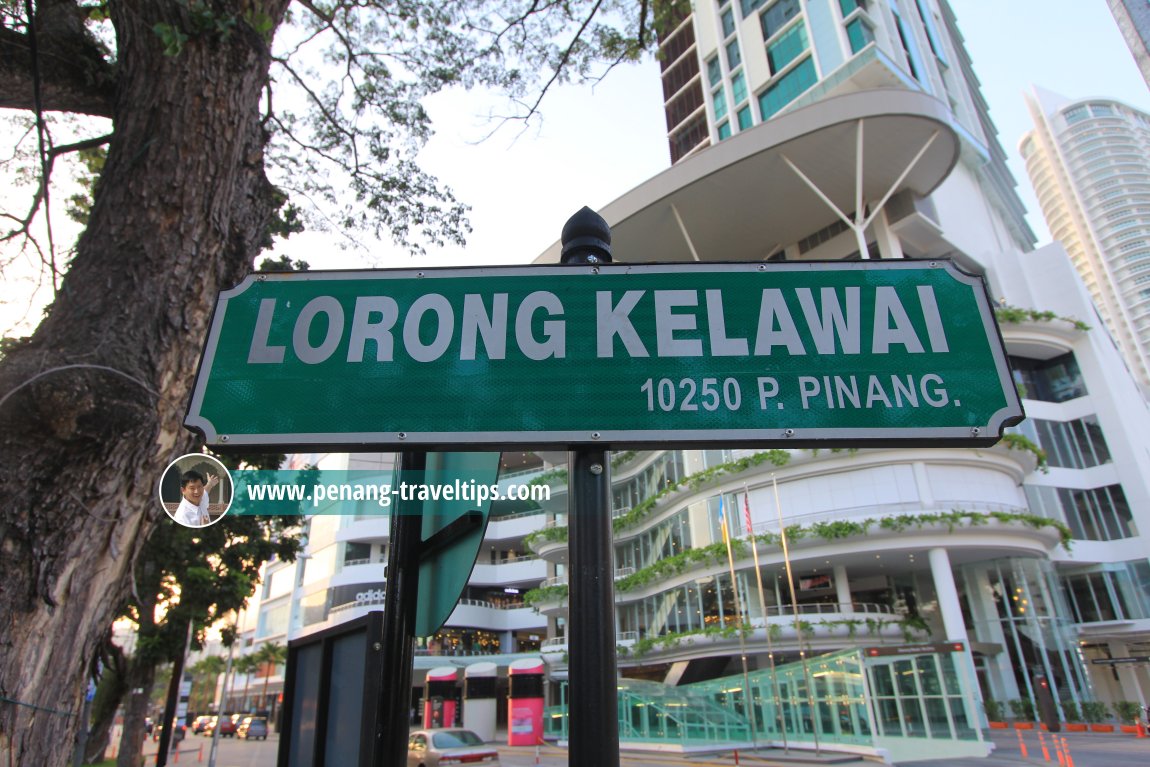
595	144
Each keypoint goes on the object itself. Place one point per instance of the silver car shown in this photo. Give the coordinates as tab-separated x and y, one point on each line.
431	748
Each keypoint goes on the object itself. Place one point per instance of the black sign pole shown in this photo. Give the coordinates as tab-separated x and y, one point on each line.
593	700
398	642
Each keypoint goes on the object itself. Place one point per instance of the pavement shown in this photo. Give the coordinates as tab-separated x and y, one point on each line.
1085	750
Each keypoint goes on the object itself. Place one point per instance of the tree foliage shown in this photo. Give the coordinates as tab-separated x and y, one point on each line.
221	124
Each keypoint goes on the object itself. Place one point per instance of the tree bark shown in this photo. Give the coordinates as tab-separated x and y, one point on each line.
180	212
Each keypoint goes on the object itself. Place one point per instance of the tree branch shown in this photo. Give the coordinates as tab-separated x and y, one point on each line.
75	73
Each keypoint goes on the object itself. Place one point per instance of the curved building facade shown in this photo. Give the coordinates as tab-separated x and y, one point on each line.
843	129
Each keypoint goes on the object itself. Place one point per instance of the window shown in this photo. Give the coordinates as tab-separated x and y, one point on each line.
739	88
848	6
724	130
745	118
788	47
908	45
932	37
750	6
859	34
719	102
1075	114
1107	593
787	88
1073	444
728	21
1097	514
1053	380
714	70
734	58
777	16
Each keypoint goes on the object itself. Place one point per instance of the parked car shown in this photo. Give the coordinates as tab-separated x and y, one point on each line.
199	723
227	725
253	728
178	733
430	748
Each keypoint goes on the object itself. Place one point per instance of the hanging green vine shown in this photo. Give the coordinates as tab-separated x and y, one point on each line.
1015	314
1020	442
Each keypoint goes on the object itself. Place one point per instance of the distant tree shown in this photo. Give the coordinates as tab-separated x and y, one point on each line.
246	665
270	655
205	678
198	576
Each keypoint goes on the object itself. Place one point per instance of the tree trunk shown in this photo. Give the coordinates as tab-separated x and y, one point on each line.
140	678
180	211
109	695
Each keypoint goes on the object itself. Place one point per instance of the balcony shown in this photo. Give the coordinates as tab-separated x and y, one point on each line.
519	570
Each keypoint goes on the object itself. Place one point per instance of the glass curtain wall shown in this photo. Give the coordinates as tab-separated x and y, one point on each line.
1021	607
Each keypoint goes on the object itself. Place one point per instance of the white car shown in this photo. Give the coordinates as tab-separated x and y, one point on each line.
431	748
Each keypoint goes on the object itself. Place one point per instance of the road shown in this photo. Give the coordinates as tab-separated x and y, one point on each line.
1087	750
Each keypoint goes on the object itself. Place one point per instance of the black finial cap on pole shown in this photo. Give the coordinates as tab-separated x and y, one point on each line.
586	239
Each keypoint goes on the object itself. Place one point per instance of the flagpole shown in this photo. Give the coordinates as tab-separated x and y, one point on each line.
795	610
748	701
766	620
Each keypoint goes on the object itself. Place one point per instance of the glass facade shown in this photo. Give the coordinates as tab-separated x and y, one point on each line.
708	602
859	34
665	471
1019	605
787	88
825	699
1112	592
777	16
1075	444
788	47
922	696
1053	380
1096	514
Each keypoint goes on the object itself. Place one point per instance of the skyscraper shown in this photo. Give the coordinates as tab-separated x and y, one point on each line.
1088	163
1133	17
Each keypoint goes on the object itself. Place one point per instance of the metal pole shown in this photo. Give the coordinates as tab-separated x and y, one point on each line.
594	701
798	627
398	642
766	627
594	704
222	703
748	698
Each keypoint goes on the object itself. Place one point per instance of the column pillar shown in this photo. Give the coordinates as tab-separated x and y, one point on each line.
1127	675
948	604
843	589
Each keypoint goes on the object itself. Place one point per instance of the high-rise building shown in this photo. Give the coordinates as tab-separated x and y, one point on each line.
840	130
1089	165
1133	17
847	129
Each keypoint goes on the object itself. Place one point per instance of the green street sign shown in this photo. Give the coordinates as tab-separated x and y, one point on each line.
787	354
451	536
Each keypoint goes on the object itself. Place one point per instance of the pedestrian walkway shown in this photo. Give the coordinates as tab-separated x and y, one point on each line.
1083	750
